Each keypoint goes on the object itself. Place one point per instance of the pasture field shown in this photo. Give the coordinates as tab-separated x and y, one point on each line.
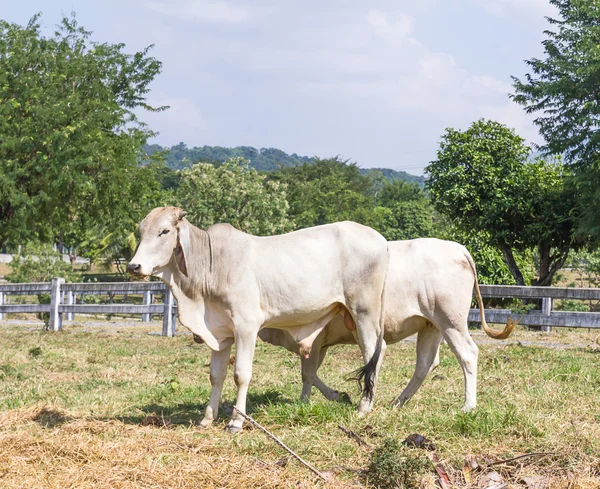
115	407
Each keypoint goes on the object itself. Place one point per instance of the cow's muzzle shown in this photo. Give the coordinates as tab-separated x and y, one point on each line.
134	269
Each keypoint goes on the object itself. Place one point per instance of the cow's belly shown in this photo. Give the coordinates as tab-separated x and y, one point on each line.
295	318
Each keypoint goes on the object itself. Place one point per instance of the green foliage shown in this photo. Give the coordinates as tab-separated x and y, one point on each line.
328	191
409	213
395	466
40	263
70	134
483	181
233	193
562	92
563	89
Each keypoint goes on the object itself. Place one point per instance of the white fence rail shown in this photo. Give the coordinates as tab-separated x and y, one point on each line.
546	317
63	303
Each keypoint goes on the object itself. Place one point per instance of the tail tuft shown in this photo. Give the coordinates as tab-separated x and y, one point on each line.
367	373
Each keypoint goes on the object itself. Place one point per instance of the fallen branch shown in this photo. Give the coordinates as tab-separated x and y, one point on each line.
537	454
444	479
281	444
354	436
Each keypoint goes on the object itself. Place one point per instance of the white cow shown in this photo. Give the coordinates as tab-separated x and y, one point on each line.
428	291
229	285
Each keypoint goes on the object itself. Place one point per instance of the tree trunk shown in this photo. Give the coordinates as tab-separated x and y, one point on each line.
544	279
550	264
512	264
73	257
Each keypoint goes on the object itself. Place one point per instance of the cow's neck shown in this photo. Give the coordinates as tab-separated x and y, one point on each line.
199	263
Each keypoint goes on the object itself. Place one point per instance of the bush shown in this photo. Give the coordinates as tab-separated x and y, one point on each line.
40	263
396	466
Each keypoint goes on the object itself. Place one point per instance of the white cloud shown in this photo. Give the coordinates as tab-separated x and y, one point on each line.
397	29
209	11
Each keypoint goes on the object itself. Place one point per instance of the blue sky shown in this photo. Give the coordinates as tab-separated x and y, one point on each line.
376	82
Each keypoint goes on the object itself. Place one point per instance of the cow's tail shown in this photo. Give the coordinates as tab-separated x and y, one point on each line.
367	373
492	333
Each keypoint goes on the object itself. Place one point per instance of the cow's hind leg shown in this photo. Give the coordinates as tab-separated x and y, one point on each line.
428	347
466	351
244	355
310	377
310	366
218	371
367	335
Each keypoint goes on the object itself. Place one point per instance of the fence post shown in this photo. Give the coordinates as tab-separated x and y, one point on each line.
146	317
70	302
2	302
546	310
168	323
55	323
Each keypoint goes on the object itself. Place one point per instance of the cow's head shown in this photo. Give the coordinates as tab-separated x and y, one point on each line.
164	234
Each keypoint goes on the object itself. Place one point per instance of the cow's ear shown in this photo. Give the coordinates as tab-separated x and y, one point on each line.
178	215
182	250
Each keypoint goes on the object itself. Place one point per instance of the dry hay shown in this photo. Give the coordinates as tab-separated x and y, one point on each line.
45	448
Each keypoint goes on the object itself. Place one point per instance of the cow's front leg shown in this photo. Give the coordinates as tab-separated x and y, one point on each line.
219	361
244	354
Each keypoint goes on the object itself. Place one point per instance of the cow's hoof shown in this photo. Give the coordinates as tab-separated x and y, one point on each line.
233	429
399	402
206	423
468	409
344	398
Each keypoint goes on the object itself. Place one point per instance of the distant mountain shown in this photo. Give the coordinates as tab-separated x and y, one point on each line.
397	175
264	159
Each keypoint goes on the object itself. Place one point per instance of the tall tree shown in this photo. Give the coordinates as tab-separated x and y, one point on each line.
484	181
562	90
70	137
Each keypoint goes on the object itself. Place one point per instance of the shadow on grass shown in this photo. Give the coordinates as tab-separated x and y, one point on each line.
50	418
192	413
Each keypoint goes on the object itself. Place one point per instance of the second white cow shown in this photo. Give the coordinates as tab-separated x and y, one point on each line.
429	291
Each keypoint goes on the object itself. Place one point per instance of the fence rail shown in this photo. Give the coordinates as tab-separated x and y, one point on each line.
63	303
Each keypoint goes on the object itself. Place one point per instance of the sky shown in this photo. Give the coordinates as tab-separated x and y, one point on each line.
376	82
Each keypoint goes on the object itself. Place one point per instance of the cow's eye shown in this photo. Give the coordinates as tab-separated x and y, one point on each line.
164	231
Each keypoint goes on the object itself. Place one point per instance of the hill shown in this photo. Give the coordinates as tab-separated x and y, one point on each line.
264	159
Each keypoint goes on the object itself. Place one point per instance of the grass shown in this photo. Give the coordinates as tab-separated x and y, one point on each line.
118	408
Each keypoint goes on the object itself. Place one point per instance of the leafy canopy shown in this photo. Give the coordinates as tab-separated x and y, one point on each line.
233	193
70	137
484	181
562	89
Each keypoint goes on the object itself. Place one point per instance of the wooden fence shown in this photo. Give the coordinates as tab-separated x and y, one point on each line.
63	303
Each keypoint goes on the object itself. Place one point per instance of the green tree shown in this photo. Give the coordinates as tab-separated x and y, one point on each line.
70	137
562	91
233	193
409	212
484	181
329	191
